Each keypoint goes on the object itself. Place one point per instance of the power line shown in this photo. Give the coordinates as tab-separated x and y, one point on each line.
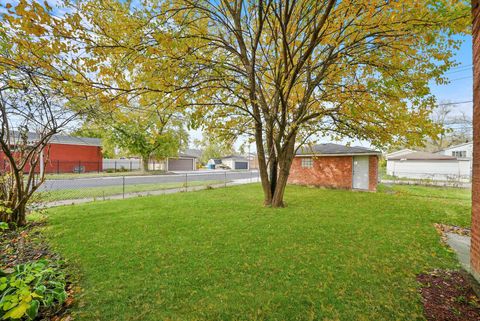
460	70
456	103
459	67
461	78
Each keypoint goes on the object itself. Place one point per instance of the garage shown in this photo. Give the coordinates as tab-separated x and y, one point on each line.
335	166
241	165
235	162
181	164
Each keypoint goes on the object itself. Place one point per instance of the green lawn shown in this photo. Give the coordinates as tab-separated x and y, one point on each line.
105	191
219	255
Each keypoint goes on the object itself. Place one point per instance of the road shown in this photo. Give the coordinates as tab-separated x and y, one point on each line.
213	175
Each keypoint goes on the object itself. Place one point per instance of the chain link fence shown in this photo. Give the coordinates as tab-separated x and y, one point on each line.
59	167
429	179
118	187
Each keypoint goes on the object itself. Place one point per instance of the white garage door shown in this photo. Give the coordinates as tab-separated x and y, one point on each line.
360	172
180	164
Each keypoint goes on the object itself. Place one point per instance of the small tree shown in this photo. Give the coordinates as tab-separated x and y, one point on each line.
31	113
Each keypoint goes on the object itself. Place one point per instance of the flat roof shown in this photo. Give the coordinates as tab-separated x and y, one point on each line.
184	155
422	156
335	149
237	157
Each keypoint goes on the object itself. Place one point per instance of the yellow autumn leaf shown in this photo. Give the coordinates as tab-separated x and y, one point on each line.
17	312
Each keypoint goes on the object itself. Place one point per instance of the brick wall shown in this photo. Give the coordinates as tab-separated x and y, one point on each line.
327	171
65	158
331	171
373	173
475	242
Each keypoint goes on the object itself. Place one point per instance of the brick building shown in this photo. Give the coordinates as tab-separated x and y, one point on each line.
68	154
475	242
336	166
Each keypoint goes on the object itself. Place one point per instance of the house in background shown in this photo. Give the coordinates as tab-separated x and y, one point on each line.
464	150
229	162
424	165
252	161
400	152
235	162
183	162
68	154
394	154
336	166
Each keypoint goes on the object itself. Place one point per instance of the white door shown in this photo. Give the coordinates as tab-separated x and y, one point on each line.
360	172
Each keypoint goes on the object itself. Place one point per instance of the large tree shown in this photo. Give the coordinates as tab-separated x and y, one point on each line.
280	71
284	71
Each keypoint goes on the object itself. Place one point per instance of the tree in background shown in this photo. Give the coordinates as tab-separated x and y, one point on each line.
150	137
456	127
213	148
89	128
142	107
287	71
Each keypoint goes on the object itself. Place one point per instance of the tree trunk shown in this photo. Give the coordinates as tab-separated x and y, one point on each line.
262	165
145	161
20	215
273	174
277	200
285	159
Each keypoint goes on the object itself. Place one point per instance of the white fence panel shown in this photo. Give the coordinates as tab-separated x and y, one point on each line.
122	164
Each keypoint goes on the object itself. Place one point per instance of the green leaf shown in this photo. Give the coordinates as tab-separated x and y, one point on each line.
32	310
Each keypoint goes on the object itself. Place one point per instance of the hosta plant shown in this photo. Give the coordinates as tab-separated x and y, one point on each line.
29	288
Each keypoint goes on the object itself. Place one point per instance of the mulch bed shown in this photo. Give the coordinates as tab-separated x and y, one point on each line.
449	296
443	229
22	246
26	245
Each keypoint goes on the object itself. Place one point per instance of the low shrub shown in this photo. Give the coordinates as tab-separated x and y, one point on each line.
29	288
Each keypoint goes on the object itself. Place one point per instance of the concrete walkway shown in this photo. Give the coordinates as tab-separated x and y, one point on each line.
147	193
461	246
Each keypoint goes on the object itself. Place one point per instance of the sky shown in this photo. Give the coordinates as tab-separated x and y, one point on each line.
460	87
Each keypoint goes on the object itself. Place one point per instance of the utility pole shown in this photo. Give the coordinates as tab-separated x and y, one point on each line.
475	241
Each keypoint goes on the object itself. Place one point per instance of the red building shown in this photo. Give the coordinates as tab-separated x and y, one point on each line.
68	154
336	166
